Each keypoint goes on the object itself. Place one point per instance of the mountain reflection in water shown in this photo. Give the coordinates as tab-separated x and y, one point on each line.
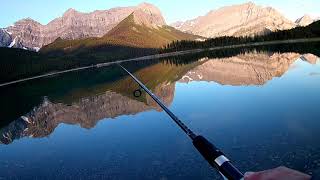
246	69
86	112
87	108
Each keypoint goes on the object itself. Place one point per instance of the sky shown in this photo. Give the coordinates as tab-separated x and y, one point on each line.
44	11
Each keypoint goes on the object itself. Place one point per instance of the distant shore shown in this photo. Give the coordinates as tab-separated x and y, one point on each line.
164	55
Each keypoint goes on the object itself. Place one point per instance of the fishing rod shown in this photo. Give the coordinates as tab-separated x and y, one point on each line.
213	155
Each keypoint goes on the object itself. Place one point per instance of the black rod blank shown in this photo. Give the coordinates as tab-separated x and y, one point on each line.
212	154
154	97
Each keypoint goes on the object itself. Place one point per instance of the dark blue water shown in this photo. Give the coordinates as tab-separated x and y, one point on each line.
261	109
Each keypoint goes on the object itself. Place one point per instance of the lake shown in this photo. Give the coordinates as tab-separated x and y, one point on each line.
260	107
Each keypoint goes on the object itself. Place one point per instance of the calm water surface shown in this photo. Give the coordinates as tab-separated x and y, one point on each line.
261	109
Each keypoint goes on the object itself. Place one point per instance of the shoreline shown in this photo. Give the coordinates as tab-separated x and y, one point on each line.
164	55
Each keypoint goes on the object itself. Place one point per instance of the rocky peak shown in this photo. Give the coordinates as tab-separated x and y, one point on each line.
248	4
26	21
177	24
148	15
237	20
5	38
25	33
304	20
70	13
76	25
149	8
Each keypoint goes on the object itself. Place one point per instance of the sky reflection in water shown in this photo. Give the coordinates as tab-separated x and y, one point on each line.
261	109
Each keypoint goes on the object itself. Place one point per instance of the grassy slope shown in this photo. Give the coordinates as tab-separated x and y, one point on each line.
130	34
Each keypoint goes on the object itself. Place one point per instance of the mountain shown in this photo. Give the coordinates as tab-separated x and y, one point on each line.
141	29
304	21
311	32
6	40
237	20
76	25
148	15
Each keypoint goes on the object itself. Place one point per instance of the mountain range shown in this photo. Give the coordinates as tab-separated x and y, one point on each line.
240	20
143	26
74	25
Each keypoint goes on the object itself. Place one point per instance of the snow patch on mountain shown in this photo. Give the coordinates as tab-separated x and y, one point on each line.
12	43
10	33
37	49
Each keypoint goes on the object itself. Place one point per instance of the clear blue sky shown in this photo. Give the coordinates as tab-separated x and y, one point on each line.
173	10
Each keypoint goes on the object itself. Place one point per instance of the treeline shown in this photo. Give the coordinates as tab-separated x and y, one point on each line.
311	31
301	48
18	63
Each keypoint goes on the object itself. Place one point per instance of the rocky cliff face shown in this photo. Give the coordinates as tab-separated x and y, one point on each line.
246	69
43	120
148	15
238	20
28	31
77	25
304	21
5	38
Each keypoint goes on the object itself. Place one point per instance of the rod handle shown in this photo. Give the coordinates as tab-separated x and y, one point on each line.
216	158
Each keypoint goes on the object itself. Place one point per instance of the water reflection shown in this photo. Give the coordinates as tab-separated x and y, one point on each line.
91	103
86	112
259	106
246	69
312	59
87	106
